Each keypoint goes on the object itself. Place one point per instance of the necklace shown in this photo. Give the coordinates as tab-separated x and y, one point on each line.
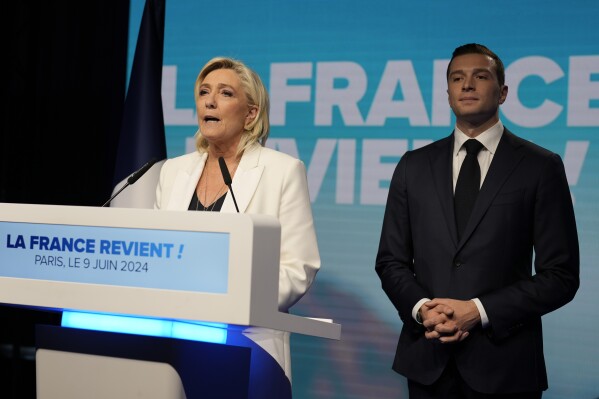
212	204
208	206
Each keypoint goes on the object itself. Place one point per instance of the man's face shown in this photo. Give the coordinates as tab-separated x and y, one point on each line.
473	90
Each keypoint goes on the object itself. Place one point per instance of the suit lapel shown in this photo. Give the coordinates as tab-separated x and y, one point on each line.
185	183
245	181
504	162
441	165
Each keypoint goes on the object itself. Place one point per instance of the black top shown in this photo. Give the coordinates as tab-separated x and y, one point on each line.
196	205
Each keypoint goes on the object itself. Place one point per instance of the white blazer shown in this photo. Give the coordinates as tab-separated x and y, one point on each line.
266	182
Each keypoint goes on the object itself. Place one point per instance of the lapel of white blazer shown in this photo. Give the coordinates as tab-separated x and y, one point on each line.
245	180
185	183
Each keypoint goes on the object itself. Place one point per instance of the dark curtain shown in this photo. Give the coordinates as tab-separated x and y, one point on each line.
64	65
64	88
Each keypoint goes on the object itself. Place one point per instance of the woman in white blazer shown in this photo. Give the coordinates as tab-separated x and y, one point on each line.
232	107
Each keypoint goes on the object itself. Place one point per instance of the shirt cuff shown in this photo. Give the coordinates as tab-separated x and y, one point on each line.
417	307
484	320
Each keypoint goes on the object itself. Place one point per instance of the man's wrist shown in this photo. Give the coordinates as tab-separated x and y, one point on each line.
419	316
416	315
484	319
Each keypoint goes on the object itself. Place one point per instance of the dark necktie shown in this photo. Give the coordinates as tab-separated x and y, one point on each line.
468	185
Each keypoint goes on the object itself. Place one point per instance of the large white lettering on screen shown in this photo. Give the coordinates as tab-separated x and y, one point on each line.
582	90
327	86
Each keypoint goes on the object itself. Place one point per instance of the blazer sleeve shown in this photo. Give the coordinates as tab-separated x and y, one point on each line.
158	199
394	260
556	261
300	258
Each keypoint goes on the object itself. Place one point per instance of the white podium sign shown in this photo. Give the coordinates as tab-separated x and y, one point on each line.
147	258
178	265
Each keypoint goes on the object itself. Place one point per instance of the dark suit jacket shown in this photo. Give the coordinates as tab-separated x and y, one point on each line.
524	203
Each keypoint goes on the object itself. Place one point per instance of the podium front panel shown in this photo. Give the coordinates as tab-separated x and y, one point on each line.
165	264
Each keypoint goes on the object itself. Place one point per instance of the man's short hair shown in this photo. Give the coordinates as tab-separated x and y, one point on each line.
475	48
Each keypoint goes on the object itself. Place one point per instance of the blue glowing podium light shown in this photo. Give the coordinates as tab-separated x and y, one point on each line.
194	331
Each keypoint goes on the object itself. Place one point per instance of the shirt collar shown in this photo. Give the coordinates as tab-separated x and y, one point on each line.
489	138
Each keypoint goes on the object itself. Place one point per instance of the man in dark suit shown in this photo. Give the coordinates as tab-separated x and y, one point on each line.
460	270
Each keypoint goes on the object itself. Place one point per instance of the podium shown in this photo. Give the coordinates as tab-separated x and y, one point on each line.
185	270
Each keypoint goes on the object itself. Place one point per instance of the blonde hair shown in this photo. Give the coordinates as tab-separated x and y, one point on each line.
256	94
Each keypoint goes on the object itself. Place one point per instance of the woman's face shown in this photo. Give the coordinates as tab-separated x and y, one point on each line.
222	108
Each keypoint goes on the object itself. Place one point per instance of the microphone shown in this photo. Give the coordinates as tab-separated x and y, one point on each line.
142	171
227	178
133	178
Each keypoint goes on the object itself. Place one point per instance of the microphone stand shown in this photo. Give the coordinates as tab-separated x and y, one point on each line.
133	178
227	178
